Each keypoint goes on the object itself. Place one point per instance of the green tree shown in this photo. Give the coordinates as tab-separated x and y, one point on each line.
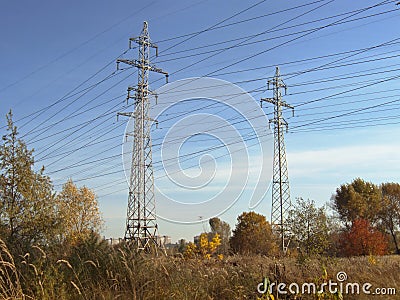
309	226
357	200
390	211
224	231
181	245
28	212
253	235
79	210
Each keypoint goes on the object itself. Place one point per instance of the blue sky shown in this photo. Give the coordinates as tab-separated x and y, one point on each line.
340	60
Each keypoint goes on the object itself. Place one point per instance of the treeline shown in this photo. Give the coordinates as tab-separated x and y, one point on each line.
364	219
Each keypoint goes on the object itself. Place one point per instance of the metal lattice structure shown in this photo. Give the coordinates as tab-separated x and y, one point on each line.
280	182
141	223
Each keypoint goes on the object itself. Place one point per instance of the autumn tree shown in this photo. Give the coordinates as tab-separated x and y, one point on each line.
363	239
79	210
224	231
253	235
27	204
390	211
205	248
309	227
357	200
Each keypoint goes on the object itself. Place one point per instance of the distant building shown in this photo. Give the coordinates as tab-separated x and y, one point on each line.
114	241
163	240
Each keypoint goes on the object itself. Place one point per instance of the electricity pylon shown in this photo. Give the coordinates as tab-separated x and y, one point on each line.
141	223
280	182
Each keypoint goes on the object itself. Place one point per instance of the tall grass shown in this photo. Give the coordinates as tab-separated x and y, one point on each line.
95	270
10	287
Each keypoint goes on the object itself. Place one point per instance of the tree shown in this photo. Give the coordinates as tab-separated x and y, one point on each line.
363	239
390	211
253	235
27	204
79	210
205	248
182	245
309	226
224	231
357	200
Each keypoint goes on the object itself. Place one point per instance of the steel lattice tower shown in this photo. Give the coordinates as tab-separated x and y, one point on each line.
280	182
141	224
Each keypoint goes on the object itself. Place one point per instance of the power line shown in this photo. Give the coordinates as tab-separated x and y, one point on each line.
75	48
68	94
280	36
215	25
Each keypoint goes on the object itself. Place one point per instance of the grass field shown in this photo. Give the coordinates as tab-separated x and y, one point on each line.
99	271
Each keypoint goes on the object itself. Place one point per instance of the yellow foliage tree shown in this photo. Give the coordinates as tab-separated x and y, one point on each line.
205	248
79	210
190	251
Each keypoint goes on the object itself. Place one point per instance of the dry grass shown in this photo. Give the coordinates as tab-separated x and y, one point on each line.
97	271
10	287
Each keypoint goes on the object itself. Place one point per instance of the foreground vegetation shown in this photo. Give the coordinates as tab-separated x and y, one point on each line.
95	270
50	247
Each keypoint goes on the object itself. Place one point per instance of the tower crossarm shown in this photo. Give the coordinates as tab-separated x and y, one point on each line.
131	115
275	102
138	64
137	93
142	40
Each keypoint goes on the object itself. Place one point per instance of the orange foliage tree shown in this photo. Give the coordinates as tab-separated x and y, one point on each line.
363	239
253	235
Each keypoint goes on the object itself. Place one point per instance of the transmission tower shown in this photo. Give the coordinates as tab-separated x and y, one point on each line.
280	181
141	223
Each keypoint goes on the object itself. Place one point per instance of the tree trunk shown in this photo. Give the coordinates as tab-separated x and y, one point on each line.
393	233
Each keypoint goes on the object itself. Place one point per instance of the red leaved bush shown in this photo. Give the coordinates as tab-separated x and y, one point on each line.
363	239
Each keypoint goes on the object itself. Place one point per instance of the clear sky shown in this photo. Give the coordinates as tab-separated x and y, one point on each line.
339	59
